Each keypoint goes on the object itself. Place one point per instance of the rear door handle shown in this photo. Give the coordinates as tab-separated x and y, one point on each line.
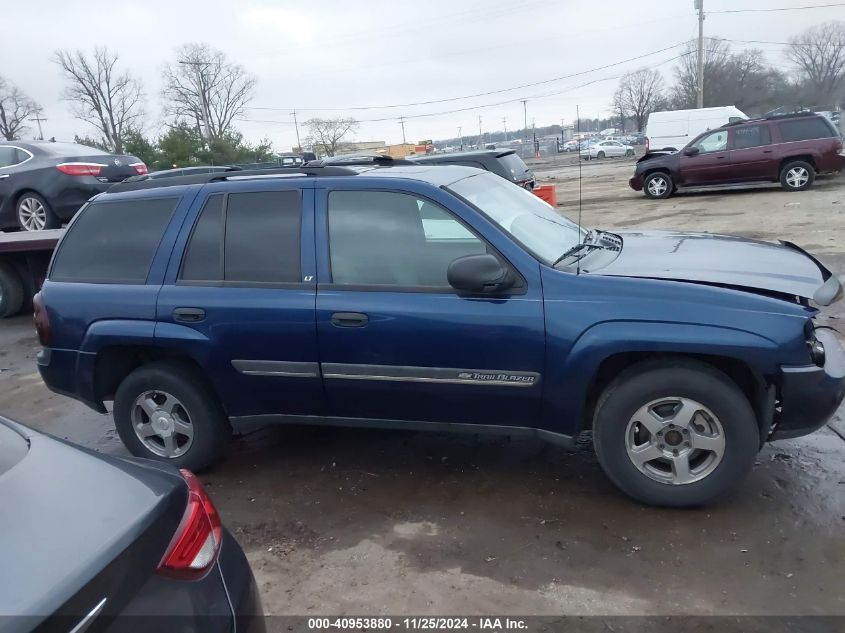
188	315
350	319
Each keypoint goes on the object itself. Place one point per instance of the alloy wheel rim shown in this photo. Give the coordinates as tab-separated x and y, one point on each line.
31	214
675	440
657	186
797	177
162	423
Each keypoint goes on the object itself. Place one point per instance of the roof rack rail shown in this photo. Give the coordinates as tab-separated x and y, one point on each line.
363	159
236	174
773	117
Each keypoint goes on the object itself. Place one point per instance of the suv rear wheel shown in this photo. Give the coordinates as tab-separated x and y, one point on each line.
675	433
658	185
797	175
164	411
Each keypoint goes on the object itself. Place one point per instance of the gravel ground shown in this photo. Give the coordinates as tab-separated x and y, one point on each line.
338	521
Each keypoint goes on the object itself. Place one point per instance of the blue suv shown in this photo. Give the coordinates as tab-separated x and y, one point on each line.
433	297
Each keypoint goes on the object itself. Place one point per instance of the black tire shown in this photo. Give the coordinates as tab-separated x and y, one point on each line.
51	221
11	291
600	155
211	429
658	185
651	381
797	169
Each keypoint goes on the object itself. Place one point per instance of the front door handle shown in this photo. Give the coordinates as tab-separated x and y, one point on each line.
188	315
350	319
2	176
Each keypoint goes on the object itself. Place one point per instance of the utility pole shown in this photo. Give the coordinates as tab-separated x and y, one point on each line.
505	126
296	125
402	123
37	118
525	119
699	101
461	137
480	133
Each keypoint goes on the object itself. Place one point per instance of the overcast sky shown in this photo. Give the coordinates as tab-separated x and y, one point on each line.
344	54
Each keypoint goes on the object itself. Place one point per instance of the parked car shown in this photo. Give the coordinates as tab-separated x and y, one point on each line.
672	130
606	149
91	540
437	298
791	149
570	146
43	183
504	163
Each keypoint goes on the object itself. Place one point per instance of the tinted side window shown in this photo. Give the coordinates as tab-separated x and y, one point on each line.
262	237
751	136
113	242
394	239
805	129
8	156
203	256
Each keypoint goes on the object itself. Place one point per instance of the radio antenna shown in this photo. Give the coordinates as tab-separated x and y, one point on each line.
580	140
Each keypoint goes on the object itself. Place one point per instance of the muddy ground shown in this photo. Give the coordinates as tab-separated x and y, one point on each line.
373	522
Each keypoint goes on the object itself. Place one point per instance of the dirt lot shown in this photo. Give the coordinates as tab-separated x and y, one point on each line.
365	522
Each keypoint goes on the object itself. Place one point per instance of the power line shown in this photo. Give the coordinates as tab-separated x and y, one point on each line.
815	6
481	94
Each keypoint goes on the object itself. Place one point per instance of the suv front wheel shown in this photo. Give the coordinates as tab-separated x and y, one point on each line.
675	433
165	411
797	175
658	185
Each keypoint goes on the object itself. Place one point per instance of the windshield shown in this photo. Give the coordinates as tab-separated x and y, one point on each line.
541	229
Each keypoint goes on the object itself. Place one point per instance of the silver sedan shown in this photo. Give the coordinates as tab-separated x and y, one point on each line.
606	149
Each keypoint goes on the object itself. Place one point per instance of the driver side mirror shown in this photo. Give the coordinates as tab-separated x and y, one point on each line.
479	274
691	151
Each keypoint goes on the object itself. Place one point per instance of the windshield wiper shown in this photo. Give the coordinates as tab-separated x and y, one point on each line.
574	250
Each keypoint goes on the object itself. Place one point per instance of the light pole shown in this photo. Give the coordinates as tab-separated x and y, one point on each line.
699	100
461	137
402	123
525	119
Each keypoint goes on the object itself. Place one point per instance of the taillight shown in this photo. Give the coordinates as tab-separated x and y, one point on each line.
194	547
80	169
140	168
647	145
42	320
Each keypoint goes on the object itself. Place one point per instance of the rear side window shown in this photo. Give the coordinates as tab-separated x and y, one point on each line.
113	242
513	164
751	136
260	239
805	129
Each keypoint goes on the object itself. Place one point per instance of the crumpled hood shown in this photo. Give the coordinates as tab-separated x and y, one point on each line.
724	260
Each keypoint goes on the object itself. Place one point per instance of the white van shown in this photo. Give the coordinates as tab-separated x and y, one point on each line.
675	128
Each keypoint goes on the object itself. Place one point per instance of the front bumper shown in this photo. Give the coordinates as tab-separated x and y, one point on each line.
810	395
636	182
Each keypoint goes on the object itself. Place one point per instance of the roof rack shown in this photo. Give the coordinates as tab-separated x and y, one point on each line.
773	117
363	159
238	174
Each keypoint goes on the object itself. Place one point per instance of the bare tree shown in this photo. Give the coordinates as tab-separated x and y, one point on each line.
819	52
15	109
101	94
324	135
640	93
716	56
208	90
619	108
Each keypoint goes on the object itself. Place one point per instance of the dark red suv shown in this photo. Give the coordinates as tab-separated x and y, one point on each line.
790	148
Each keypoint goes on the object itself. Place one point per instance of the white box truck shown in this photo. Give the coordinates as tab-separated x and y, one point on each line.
673	129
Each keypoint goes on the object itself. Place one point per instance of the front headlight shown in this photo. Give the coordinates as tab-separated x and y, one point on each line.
816	351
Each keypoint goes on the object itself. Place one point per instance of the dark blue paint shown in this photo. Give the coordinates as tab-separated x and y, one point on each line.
560	325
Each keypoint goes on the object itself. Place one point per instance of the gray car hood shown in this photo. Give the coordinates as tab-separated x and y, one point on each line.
724	260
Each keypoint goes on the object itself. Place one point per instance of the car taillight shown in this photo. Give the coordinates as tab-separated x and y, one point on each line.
80	169
194	547
140	168
42	320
